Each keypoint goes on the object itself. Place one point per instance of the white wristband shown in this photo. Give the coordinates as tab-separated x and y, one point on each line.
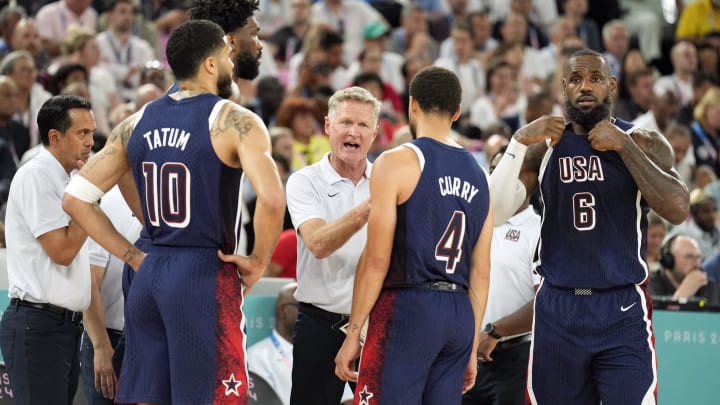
80	188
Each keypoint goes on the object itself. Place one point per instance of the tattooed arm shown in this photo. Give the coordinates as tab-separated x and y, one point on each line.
241	134
649	158
105	170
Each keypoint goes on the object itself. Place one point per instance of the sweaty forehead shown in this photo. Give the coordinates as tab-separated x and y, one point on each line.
587	63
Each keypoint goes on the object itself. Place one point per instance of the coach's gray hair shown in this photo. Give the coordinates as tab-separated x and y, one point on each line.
7	67
354	93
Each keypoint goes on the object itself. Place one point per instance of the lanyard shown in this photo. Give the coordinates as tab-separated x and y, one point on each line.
286	358
704	138
117	49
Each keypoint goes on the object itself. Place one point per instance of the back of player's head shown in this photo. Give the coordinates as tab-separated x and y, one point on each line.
54	114
228	14
190	44
436	90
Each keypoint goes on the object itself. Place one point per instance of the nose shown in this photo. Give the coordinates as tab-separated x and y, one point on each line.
258	44
585	86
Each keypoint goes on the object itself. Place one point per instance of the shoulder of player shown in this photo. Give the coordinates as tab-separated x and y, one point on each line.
239	119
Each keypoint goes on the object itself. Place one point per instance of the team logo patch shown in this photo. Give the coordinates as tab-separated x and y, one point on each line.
513	235
232	385
365	396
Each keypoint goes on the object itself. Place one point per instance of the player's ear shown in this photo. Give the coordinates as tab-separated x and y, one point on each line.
457	114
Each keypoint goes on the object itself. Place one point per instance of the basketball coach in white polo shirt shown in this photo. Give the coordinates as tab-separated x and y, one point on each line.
47	262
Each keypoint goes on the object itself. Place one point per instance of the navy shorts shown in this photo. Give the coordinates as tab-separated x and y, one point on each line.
417	349
591	346
184	331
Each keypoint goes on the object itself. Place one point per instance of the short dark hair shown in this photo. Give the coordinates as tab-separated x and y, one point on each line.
57	81
190	44
436	90
588	52
55	114
110	4
228	14
366	77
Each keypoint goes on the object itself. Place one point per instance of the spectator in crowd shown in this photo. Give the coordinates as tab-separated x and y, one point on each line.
270	94
585	28
271	15
465	62
13	137
702	82
9	16
702	224
154	73
54	20
503	102
65	75
684	61
309	144
681	276
20	66
122	52
616	42
272	358
288	39
640	92
25	37
348	18
535	37
664	109
698	19
412	38
656	231
680	139
708	59
706	129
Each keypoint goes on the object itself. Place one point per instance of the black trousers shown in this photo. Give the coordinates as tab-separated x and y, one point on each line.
42	355
502	381
315	345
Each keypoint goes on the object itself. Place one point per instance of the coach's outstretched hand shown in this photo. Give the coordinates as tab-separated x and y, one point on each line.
250	268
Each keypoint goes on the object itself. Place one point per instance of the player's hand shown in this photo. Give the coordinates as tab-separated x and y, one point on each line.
345	359
251	268
544	128
470	374
105	378
486	345
606	136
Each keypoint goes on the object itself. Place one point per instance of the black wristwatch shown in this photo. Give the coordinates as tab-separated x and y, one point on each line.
490	330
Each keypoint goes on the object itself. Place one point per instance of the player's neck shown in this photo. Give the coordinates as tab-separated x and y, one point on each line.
437	128
191	88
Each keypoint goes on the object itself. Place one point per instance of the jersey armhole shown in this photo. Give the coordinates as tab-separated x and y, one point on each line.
418	152
215	111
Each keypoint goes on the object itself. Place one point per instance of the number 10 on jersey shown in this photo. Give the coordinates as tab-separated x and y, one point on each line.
167	196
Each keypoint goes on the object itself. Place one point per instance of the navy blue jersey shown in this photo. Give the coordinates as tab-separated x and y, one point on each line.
594	221
439	225
188	196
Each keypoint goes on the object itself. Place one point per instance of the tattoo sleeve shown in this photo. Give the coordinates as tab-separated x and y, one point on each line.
650	161
232	118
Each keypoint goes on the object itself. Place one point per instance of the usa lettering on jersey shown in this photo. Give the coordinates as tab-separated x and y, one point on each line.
172	137
580	169
455	186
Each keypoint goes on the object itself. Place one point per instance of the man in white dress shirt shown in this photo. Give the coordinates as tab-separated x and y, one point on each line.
48	266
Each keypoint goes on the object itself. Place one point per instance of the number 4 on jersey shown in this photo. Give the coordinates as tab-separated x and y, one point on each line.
449	247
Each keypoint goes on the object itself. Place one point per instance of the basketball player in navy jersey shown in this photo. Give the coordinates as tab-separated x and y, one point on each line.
423	277
592	332
186	152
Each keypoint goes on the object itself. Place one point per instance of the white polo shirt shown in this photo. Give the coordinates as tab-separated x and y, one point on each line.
122	218
34	208
512	279
318	191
